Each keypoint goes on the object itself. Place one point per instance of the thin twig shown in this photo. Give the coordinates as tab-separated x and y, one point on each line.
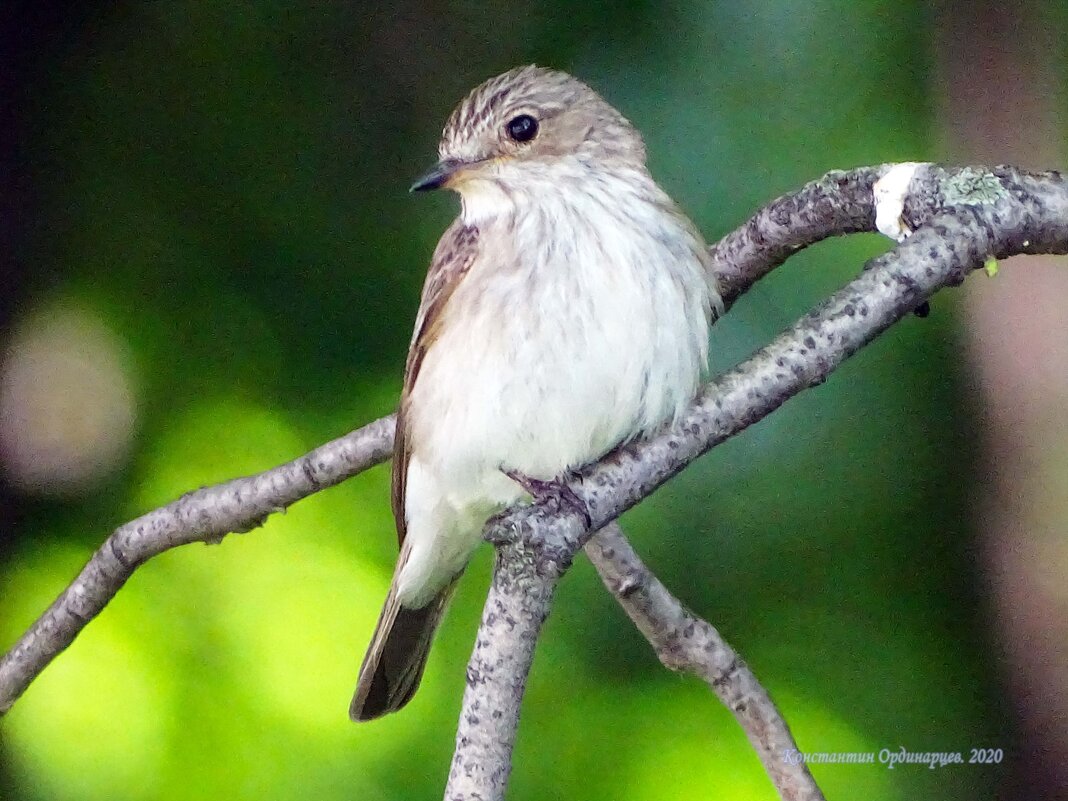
686	643
204	515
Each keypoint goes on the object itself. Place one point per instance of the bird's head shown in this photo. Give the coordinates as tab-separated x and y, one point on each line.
530	120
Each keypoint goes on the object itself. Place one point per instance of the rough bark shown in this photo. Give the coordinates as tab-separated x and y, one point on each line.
686	643
960	218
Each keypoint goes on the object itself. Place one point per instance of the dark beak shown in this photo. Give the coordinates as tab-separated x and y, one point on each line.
437	176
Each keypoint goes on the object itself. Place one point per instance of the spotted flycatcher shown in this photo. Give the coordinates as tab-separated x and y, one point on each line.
566	311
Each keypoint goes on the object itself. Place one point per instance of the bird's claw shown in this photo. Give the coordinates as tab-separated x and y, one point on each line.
555	492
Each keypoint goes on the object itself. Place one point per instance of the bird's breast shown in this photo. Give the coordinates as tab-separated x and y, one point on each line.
576	328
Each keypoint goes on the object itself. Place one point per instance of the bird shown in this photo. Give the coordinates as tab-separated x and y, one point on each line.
565	312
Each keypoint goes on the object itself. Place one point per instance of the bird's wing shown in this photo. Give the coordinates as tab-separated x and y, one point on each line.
452	259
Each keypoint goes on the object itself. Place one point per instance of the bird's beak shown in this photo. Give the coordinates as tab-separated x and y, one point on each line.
439	175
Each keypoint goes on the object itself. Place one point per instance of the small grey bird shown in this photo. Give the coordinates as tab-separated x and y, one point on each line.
566	311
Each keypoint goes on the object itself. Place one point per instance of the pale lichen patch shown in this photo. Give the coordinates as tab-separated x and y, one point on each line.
890	192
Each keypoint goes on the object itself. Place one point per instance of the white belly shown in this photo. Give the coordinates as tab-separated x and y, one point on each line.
544	367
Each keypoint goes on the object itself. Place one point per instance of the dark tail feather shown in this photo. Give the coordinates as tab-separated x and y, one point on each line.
395	660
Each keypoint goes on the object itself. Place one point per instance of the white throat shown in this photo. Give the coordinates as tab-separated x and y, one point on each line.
482	200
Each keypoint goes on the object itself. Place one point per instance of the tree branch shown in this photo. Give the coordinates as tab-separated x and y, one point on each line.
960	218
684	642
520	595
204	515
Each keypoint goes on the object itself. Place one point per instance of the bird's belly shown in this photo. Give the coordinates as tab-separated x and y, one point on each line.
547	379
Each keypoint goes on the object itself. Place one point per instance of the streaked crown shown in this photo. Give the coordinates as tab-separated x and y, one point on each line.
531	113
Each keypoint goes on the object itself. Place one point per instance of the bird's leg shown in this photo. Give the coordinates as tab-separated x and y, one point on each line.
556	491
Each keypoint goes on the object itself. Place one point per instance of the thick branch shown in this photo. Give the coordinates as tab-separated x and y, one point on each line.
741	258
518	603
685	642
961	217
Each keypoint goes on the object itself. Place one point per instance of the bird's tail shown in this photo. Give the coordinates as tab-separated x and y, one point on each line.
395	660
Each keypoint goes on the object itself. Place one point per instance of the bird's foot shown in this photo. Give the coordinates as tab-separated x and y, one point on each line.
556	492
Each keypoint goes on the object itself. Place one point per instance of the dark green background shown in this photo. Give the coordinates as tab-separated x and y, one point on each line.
223	186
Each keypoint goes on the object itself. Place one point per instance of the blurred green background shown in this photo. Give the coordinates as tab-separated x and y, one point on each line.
215	265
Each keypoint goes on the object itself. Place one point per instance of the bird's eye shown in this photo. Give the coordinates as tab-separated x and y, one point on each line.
522	128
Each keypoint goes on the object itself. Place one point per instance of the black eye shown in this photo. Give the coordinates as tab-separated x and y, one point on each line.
522	128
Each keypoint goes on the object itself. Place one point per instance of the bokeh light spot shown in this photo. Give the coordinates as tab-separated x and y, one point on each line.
67	407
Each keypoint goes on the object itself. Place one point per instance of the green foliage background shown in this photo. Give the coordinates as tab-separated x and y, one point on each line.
224	184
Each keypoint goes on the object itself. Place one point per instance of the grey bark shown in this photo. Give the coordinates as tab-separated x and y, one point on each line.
686	643
524	579
960	218
204	515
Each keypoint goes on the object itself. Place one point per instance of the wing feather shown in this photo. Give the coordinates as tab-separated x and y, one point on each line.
452	260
